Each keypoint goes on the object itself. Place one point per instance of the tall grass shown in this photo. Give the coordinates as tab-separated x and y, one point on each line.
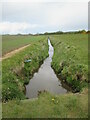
48	106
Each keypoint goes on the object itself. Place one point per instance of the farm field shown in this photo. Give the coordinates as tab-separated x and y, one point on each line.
70	62
12	42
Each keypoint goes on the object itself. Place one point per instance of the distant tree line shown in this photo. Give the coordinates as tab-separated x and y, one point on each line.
56	33
73	32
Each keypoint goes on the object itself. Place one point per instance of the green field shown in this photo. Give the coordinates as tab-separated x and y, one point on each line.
70	62
11	42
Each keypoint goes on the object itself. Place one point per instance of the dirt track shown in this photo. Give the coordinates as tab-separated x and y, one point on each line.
13	52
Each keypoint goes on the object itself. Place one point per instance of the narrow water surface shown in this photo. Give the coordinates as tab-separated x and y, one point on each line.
45	79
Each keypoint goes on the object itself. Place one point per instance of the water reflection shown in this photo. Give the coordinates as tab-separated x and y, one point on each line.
45	79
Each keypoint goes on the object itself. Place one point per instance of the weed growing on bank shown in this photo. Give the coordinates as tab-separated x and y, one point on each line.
15	73
70	60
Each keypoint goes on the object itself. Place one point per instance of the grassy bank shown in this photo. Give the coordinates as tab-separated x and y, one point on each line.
48	106
16	73
70	60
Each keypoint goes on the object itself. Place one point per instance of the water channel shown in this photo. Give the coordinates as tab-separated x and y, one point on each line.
45	79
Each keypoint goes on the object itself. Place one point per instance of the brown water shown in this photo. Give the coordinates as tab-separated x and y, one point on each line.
45	79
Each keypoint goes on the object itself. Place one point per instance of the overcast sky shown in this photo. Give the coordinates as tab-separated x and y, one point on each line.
25	16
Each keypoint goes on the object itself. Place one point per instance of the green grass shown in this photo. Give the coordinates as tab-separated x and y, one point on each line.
11	42
48	106
70	60
16	73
